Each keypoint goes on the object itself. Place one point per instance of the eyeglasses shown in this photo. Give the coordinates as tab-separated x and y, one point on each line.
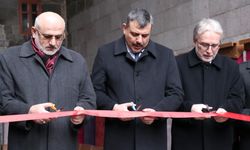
49	37
206	46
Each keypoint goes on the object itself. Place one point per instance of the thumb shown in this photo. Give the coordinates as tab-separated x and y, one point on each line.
148	110
130	104
221	111
78	108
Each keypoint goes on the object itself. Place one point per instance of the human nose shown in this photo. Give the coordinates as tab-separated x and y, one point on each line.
139	39
209	49
52	41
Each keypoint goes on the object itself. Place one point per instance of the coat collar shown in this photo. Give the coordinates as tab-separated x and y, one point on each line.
120	48
194	60
27	51
248	65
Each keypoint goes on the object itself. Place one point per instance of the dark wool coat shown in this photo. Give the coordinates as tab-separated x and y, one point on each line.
26	82
219	85
152	82
243	128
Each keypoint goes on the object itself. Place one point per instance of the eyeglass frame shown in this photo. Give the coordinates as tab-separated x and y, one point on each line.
49	37
206	46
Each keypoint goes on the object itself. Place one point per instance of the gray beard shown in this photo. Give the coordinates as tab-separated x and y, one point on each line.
50	53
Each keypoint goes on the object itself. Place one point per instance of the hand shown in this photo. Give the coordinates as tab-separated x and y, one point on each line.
148	120
40	108
198	108
218	118
123	107
78	118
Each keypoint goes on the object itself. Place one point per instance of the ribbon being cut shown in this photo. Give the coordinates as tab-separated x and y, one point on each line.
119	114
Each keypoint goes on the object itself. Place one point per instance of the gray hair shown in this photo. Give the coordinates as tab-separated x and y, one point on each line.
36	23
142	16
205	25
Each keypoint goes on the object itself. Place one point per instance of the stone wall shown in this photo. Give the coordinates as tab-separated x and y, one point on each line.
173	27
4	43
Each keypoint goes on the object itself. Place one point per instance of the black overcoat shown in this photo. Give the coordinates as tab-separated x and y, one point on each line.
243	128
219	85
152	82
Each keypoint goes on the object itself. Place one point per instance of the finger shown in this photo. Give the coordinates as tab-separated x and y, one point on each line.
130	104
78	108
221	111
199	118
77	120
126	119
46	105
147	120
220	119
148	110
40	121
47	120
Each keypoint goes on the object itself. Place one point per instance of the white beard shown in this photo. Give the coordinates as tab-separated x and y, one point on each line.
39	46
202	58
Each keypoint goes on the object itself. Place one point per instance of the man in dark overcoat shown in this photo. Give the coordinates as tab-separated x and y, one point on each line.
211	82
38	75
242	128
135	71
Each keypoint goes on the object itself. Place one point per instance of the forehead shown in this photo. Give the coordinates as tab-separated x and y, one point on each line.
135	27
51	26
209	37
52	30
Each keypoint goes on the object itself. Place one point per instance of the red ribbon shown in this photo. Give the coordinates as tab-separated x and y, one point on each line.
120	114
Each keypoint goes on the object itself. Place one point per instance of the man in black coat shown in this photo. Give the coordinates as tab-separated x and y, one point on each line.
211	82
135	71
242	127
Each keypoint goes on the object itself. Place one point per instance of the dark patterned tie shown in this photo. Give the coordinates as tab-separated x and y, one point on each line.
136	56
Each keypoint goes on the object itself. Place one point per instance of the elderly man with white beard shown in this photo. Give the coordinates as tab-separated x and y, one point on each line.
39	75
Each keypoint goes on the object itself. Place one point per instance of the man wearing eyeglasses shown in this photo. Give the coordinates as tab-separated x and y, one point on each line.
39	75
211	82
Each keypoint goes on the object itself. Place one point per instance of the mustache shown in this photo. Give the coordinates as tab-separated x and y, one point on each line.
138	45
51	47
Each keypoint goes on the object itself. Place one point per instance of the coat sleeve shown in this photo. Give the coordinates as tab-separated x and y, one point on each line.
173	90
244	71
99	79
234	101
10	103
87	96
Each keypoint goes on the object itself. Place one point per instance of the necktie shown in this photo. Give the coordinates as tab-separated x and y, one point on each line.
136	56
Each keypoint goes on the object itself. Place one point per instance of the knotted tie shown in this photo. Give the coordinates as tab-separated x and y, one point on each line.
137	55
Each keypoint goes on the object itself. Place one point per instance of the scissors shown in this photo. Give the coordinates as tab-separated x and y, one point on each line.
53	107
134	108
207	109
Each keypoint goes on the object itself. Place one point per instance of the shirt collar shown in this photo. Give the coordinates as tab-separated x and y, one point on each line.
131	53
